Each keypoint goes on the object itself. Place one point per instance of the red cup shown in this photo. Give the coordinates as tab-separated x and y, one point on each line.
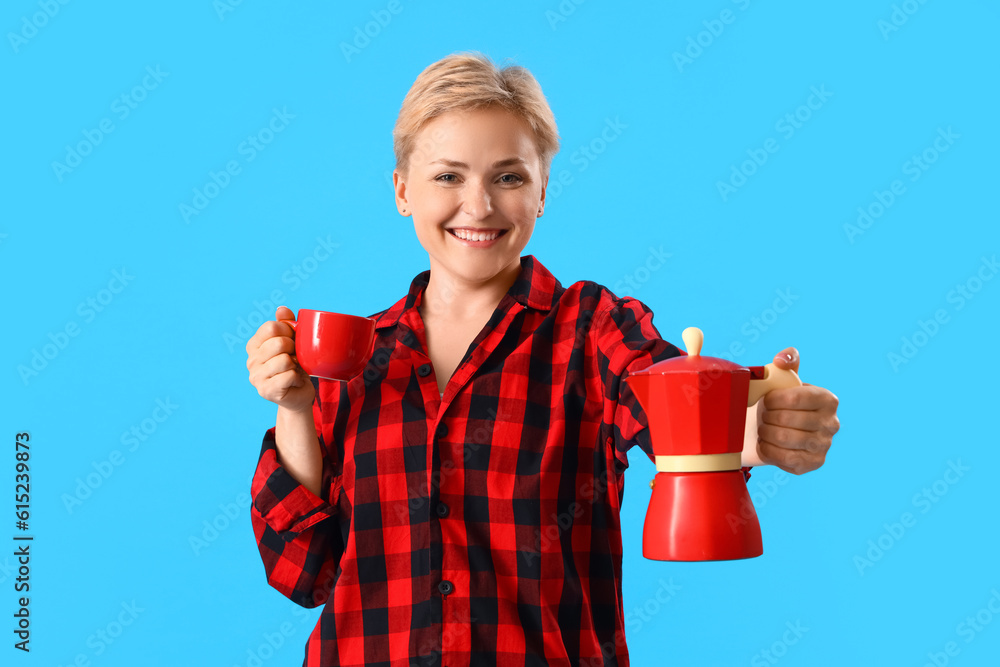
333	346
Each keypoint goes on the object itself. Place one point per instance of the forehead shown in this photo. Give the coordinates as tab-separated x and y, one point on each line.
475	137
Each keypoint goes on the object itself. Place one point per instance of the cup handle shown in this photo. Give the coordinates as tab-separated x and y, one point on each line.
290	323
774	378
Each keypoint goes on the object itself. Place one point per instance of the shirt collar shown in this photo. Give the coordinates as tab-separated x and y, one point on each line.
535	287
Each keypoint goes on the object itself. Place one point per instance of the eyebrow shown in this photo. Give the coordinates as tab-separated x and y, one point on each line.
499	163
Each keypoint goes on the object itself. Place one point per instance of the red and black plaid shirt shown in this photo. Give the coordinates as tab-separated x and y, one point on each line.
481	527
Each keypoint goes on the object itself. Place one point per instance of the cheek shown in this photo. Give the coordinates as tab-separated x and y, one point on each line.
522	207
435	204
428	232
527	230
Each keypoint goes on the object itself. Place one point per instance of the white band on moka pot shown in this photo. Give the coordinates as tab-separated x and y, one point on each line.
699	462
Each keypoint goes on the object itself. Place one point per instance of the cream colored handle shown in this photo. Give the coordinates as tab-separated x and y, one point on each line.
774	378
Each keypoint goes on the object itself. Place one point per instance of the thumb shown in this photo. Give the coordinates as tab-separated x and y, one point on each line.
284	313
787	359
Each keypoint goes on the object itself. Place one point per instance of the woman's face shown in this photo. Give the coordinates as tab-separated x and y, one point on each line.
477	175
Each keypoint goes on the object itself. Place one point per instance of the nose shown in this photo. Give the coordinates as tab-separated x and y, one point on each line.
476	200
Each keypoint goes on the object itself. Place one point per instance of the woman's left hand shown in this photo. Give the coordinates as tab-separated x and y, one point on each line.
795	425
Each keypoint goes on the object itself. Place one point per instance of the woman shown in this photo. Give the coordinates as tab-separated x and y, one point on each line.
458	503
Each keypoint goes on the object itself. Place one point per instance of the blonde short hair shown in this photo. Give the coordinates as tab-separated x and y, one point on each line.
465	81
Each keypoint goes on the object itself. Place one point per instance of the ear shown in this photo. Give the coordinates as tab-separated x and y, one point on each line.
399	186
541	202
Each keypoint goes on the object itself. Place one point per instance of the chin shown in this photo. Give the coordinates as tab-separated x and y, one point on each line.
480	269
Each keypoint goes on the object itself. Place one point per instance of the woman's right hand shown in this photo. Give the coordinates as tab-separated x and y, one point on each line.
273	368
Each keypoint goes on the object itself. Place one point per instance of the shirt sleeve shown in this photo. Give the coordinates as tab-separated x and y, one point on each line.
627	342
297	532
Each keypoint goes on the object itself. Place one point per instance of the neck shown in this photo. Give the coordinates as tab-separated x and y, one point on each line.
453	298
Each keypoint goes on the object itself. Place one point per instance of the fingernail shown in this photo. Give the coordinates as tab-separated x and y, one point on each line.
788	357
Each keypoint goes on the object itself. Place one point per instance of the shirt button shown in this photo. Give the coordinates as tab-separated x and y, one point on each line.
446	587
442	430
442	510
424	370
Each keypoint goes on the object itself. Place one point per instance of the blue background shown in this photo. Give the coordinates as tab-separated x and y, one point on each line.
175	330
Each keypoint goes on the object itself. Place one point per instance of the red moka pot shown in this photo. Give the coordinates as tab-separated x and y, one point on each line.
696	407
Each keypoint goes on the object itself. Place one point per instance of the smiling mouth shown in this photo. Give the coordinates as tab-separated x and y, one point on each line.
474	235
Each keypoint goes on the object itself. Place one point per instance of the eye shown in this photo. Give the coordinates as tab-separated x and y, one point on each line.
445	178
517	178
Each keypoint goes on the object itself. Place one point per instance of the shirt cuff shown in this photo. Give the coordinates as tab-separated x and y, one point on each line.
283	503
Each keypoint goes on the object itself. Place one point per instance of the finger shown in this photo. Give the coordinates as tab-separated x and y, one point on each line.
793	438
274	346
285	313
292	378
304	378
802	420
787	359
269	349
794	461
277	386
254	342
275	365
806	397
267	330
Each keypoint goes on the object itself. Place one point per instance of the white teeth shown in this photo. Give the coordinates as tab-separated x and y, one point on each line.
474	236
